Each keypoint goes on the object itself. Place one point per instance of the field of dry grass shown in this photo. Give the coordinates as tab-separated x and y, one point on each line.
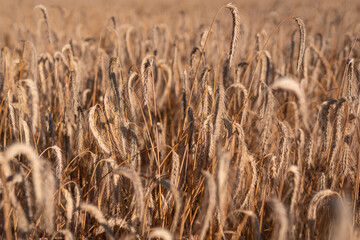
180	119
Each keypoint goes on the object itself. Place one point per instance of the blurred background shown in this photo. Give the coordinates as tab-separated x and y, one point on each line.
19	14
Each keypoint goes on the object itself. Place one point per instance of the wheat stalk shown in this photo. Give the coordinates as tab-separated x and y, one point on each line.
45	15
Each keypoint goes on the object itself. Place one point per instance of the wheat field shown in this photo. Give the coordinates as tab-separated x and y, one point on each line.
180	119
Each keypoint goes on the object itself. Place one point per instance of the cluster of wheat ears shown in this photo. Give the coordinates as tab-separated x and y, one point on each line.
164	132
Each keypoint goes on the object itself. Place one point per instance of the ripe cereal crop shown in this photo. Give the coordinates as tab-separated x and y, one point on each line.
180	119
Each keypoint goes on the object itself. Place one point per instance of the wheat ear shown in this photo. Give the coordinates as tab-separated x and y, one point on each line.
112	75
133	176
112	222
96	133
292	85
283	147
9	98
337	136
45	15
222	181
312	212
35	102
146	78
243	103
267	113
283	223
26	131
59	165
69	206
235	31
22	221
295	170
160	233
302	30
97	214
325	127
175	169
39	167
177	198
211	186
349	75
129	105
33	63
67	234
